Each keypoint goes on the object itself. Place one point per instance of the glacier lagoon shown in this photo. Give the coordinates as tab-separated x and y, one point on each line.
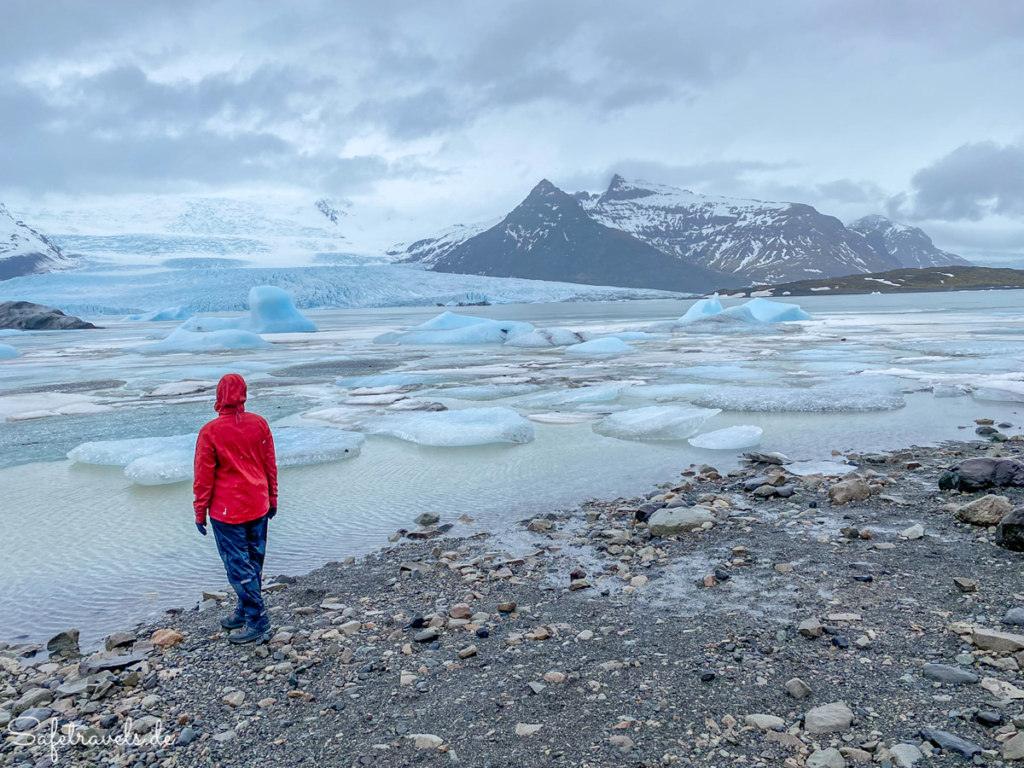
86	547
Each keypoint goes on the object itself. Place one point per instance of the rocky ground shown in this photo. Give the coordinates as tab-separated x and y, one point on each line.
753	619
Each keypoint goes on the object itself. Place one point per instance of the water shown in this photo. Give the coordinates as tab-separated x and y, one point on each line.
83	547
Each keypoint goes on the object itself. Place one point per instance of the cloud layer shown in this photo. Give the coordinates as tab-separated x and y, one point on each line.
453	110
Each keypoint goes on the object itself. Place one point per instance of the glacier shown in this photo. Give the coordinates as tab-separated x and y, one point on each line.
449	429
165	460
729	439
655	422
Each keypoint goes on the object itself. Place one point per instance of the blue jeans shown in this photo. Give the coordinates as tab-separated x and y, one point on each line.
242	547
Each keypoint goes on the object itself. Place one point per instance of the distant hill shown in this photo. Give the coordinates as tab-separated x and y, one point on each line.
549	236
905	280
23	251
910	246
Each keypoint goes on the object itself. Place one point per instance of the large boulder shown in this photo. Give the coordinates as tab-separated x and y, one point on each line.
26	316
828	718
979	474
1010	533
988	510
666	522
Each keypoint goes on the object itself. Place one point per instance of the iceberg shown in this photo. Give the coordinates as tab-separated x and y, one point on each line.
7	352
270	311
655	422
160	315
473	426
164	460
702	308
609	345
856	394
450	328
182	340
765	311
729	439
549	337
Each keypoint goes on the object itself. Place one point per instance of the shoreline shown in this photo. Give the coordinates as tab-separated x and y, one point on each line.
622	648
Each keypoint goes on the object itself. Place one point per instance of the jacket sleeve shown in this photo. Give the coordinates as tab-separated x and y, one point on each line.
270	467
205	471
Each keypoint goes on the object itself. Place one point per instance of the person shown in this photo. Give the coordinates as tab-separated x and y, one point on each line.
236	485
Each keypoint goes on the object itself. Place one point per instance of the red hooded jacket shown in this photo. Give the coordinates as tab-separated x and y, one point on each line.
235	468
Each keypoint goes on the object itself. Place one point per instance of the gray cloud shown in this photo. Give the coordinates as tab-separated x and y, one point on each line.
970	183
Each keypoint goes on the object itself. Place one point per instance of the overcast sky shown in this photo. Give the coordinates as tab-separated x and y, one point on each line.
451	111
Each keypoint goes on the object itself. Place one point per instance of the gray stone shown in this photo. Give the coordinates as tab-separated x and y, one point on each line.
826	758
224	736
1014	616
186	737
1010	533
145	724
797	688
810	628
950	742
666	522
941	673
118	640
999	642
988	510
427	518
64	644
764	722
828	718
92	666
36	697
905	755
1013	749
915	531
30	718
26	316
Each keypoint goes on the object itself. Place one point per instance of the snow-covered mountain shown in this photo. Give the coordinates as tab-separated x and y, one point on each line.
910	246
430	250
23	251
549	236
760	242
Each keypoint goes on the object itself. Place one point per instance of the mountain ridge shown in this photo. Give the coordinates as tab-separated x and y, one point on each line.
24	251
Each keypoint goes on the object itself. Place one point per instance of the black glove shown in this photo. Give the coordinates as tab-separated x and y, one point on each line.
201	528
271	512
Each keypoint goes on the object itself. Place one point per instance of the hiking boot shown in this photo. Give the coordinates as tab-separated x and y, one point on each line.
253	633
234	621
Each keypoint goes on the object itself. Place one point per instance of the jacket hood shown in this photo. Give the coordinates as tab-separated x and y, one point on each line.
231	394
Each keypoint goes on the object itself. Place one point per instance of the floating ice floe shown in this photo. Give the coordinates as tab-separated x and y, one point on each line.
341	415
484	391
638	336
729	439
826	468
182	340
725	373
473	426
856	393
160	315
949	390
1003	390
451	328
608	345
47	404
702	308
11	332
595	393
389	379
665	391
560	419
164	460
655	422
708	316
7	352
765	311
549	337
182	388
270	311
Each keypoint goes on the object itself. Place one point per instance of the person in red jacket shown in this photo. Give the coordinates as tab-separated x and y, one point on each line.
236	484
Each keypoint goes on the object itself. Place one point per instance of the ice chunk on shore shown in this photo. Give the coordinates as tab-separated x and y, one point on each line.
1002	390
7	352
182	340
702	308
473	426
609	345
856	393
450	328
270	311
655	422
826	468
549	337
729	439
163	460
160	315
949	390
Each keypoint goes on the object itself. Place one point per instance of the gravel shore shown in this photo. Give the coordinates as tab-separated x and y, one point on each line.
784	629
